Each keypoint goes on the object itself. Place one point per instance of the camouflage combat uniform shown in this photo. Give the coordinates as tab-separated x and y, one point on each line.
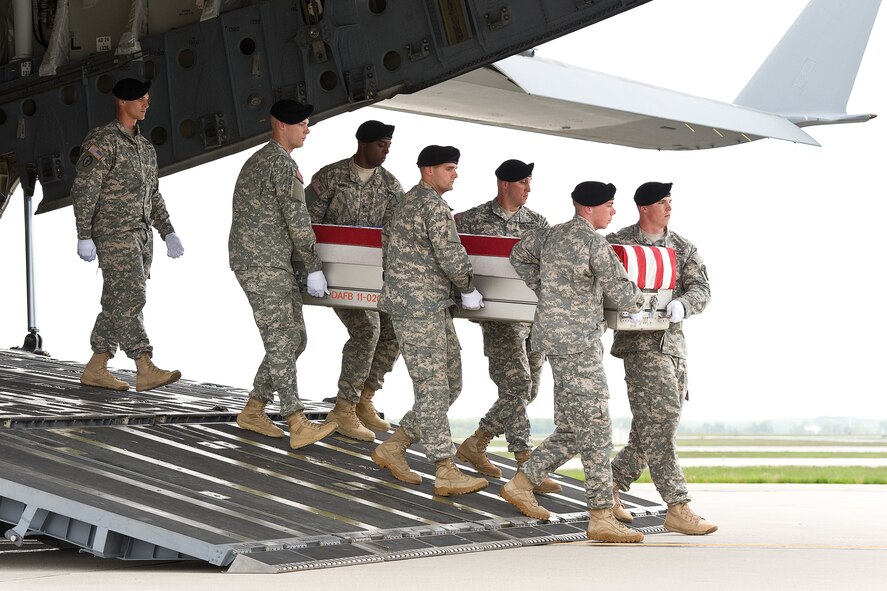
116	201
423	259
571	267
337	196
514	365
656	376
270	224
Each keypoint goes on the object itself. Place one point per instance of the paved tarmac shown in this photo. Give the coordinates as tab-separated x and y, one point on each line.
771	537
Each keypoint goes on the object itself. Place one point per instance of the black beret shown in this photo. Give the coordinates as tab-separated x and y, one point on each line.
290	112
591	193
130	89
373	131
514	170
434	155
650	193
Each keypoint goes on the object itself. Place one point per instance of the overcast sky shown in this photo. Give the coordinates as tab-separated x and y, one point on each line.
789	234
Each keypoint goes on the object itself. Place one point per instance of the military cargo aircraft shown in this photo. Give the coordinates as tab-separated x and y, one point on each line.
168	477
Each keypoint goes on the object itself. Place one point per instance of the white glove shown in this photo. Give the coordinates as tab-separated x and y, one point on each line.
472	300
86	249
675	311
636	317
317	284
174	248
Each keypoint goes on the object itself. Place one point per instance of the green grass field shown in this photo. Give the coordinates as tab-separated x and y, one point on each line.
729	447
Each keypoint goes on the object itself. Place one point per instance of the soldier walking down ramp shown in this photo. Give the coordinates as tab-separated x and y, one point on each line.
116	202
423	259
358	191
656	369
571	267
513	364
269	225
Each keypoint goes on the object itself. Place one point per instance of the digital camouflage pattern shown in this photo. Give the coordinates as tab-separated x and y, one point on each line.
337	196
125	260
571	267
422	256
430	349
489	219
116	187
656	385
276	302
270	226
514	366
582	425
422	260
656	375
691	288
116	203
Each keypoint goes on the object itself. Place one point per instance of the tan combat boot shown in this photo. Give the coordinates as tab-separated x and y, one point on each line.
96	373
474	451
253	418
680	518
603	527
519	492
392	454
367	414
450	481
149	376
545	487
619	511
304	432
349	425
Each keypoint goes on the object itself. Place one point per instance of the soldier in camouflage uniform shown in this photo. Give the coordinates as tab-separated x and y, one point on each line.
656	369
571	267
269	225
116	201
358	191
423	259
514	365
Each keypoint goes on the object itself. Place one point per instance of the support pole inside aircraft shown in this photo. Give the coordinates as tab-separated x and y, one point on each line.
33	341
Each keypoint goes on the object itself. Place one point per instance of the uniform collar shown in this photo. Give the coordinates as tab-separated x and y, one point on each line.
499	211
640	238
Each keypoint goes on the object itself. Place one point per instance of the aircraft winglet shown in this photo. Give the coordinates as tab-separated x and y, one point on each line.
808	76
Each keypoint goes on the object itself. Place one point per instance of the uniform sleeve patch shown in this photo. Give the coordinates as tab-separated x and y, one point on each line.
318	186
95	151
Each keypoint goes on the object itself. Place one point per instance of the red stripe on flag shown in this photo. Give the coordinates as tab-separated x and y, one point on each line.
673	259
621	255
491	246
642	266
348	235
657	256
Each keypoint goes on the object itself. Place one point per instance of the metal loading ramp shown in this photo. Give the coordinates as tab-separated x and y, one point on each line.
167	475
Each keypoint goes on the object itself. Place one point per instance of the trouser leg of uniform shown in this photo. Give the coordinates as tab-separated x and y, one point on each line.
582	416
277	309
357	354
630	462
656	389
386	353
125	260
430	350
505	348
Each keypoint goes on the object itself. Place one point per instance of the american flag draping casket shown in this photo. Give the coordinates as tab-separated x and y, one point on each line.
352	264
653	269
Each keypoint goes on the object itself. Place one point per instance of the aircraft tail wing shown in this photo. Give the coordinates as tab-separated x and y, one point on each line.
808	76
